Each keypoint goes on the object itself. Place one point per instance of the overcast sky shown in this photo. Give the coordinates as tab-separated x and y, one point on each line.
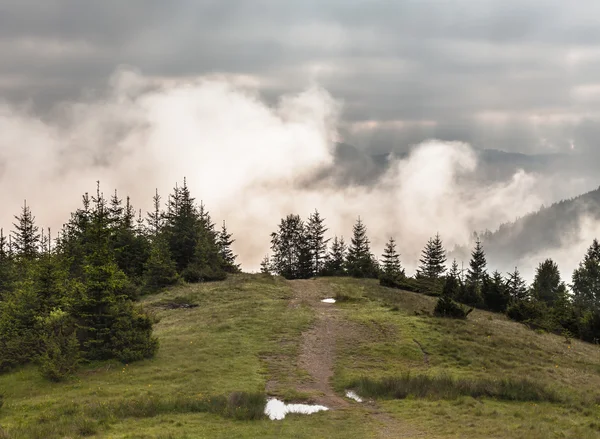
518	75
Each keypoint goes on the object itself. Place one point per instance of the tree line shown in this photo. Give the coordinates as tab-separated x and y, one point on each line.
299	250
72	299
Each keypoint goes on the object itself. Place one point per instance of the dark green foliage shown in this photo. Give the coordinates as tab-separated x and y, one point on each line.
335	263
160	269
130	247
516	287
495	293
8	273
429	273
477	266
182	221
529	311
265	265
446	307
75	299
156	218
227	255
446	387
108	325
360	262
317	244
291	252
19	332
547	285
470	293
391	260
433	259
26	236
586	279
453	283
59	357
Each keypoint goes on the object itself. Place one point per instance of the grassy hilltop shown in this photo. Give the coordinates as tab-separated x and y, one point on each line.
226	346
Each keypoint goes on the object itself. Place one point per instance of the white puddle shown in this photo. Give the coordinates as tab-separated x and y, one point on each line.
276	409
352	395
328	300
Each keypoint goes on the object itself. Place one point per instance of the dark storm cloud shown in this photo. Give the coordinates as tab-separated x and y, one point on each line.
515	75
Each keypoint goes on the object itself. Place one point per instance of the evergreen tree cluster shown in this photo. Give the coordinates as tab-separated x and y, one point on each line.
545	304
73	298
300	251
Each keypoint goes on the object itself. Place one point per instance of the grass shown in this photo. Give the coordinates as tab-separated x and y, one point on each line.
225	345
447	387
478	354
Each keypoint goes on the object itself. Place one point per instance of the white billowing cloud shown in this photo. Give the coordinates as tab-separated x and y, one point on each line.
250	162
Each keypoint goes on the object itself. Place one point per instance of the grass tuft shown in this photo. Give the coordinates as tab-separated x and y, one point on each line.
446	387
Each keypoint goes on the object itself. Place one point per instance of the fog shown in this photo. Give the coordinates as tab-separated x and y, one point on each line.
252	162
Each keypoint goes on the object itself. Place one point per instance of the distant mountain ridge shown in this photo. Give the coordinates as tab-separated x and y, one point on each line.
547	228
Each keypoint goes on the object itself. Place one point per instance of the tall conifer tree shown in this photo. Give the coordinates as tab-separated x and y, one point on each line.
360	262
391	260
225	240
315	235
477	266
433	259
335	263
26	235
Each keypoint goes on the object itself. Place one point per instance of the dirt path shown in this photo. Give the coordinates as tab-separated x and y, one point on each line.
317	347
318	351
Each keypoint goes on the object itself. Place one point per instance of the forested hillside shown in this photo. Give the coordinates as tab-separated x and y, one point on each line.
73	299
547	228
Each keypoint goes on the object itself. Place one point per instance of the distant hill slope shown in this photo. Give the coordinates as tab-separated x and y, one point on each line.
550	227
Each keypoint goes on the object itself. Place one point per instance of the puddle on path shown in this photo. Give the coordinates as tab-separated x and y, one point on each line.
352	395
328	300
276	409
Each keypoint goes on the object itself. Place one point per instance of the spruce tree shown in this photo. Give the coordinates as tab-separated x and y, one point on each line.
496	295
159	270
7	266
207	263
360	262
516	287
453	283
335	262
315	235
26	236
156	218
391	260
265	265
547	286
289	246
225	241
586	280
4	250
433	259
182	226
477	265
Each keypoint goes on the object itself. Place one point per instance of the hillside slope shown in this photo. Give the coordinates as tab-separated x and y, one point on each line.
548	228
262	335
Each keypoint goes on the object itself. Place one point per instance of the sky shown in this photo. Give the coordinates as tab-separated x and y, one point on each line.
250	100
515	75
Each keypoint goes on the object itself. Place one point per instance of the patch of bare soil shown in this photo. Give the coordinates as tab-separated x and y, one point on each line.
318	351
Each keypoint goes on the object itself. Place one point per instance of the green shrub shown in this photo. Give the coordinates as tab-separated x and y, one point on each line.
446	307
399	282
194	274
60	348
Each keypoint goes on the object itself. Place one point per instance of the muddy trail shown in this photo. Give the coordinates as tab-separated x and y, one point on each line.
318	344
317	354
